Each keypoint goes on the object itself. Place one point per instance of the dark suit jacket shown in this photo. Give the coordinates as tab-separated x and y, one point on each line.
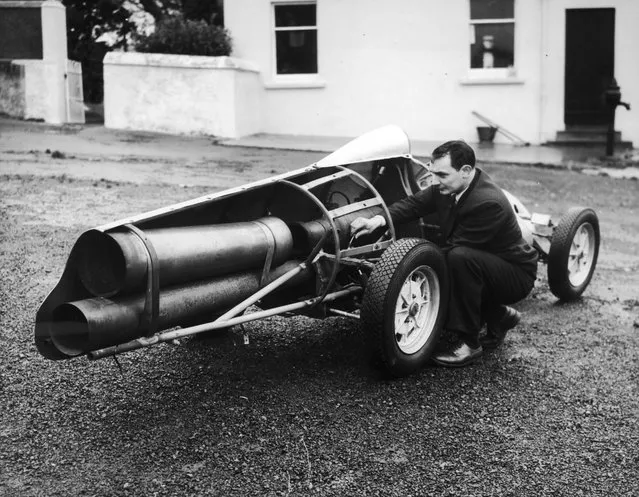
482	219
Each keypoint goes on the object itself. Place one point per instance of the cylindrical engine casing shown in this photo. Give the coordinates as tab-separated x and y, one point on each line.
116	262
308	234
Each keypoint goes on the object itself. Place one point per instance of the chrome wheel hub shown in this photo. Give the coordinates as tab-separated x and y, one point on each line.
416	309
582	254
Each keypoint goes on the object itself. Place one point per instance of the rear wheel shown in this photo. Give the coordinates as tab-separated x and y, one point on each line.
404	305
573	253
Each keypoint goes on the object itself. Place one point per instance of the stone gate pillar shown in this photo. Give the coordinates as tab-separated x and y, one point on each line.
37	81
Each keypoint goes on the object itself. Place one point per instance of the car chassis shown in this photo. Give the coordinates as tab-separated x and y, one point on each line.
283	244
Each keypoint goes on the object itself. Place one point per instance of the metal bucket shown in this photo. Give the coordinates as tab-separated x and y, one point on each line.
486	133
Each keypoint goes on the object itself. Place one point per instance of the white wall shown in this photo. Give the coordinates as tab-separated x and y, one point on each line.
36	90
392	62
249	98
181	94
627	67
44	90
406	62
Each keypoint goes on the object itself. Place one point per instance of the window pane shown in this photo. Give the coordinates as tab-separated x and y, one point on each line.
295	15
492	9
493	47
296	52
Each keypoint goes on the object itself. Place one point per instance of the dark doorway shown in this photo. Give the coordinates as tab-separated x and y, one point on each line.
590	64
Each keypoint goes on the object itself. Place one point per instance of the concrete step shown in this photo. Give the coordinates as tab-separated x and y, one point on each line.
587	136
621	145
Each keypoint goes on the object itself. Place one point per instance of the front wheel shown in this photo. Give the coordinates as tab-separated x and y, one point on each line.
404	305
572	257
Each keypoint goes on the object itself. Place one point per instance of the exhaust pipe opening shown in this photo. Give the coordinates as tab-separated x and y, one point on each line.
84	325
106	277
70	330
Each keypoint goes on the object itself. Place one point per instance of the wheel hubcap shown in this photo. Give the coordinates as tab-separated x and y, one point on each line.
582	254
416	309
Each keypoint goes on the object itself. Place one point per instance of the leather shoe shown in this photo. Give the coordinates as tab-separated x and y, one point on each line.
461	355
496	329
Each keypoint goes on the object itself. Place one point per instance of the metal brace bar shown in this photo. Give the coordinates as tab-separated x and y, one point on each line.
325	179
347	209
345	314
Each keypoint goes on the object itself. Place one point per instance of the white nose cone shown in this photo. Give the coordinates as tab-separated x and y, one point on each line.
382	143
523	217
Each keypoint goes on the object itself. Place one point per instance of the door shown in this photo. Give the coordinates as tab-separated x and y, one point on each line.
74	94
590	64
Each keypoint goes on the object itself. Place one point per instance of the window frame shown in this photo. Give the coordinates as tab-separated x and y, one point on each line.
299	80
480	73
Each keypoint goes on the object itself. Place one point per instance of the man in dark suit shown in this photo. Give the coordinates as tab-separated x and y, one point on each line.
489	263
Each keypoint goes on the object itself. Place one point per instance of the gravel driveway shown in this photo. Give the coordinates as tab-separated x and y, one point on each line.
297	410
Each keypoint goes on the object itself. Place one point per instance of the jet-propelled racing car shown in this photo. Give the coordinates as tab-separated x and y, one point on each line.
283	245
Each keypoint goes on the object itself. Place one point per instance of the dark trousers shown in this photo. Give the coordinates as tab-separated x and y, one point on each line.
480	283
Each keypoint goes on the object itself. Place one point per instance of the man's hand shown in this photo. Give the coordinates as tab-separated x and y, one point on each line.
363	226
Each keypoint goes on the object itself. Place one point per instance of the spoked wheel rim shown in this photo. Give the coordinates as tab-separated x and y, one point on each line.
416	309
582	254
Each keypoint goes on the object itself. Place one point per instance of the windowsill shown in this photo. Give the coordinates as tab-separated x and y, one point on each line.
508	80
295	82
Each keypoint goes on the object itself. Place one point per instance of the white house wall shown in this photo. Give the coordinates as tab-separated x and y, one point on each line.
406	62
248	97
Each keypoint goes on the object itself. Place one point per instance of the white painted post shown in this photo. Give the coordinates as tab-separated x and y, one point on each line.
55	60
54	31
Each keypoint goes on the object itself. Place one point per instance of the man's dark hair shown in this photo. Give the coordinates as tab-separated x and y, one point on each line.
460	153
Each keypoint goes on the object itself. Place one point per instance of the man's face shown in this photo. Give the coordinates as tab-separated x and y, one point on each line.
446	178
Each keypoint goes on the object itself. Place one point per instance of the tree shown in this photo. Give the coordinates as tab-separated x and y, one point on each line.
87	22
210	11
177	35
96	27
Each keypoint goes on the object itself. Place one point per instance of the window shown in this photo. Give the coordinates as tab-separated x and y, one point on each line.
295	38
492	35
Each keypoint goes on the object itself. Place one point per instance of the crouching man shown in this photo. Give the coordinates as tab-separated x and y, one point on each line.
490	265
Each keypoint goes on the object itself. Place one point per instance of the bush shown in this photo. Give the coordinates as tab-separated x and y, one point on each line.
176	35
